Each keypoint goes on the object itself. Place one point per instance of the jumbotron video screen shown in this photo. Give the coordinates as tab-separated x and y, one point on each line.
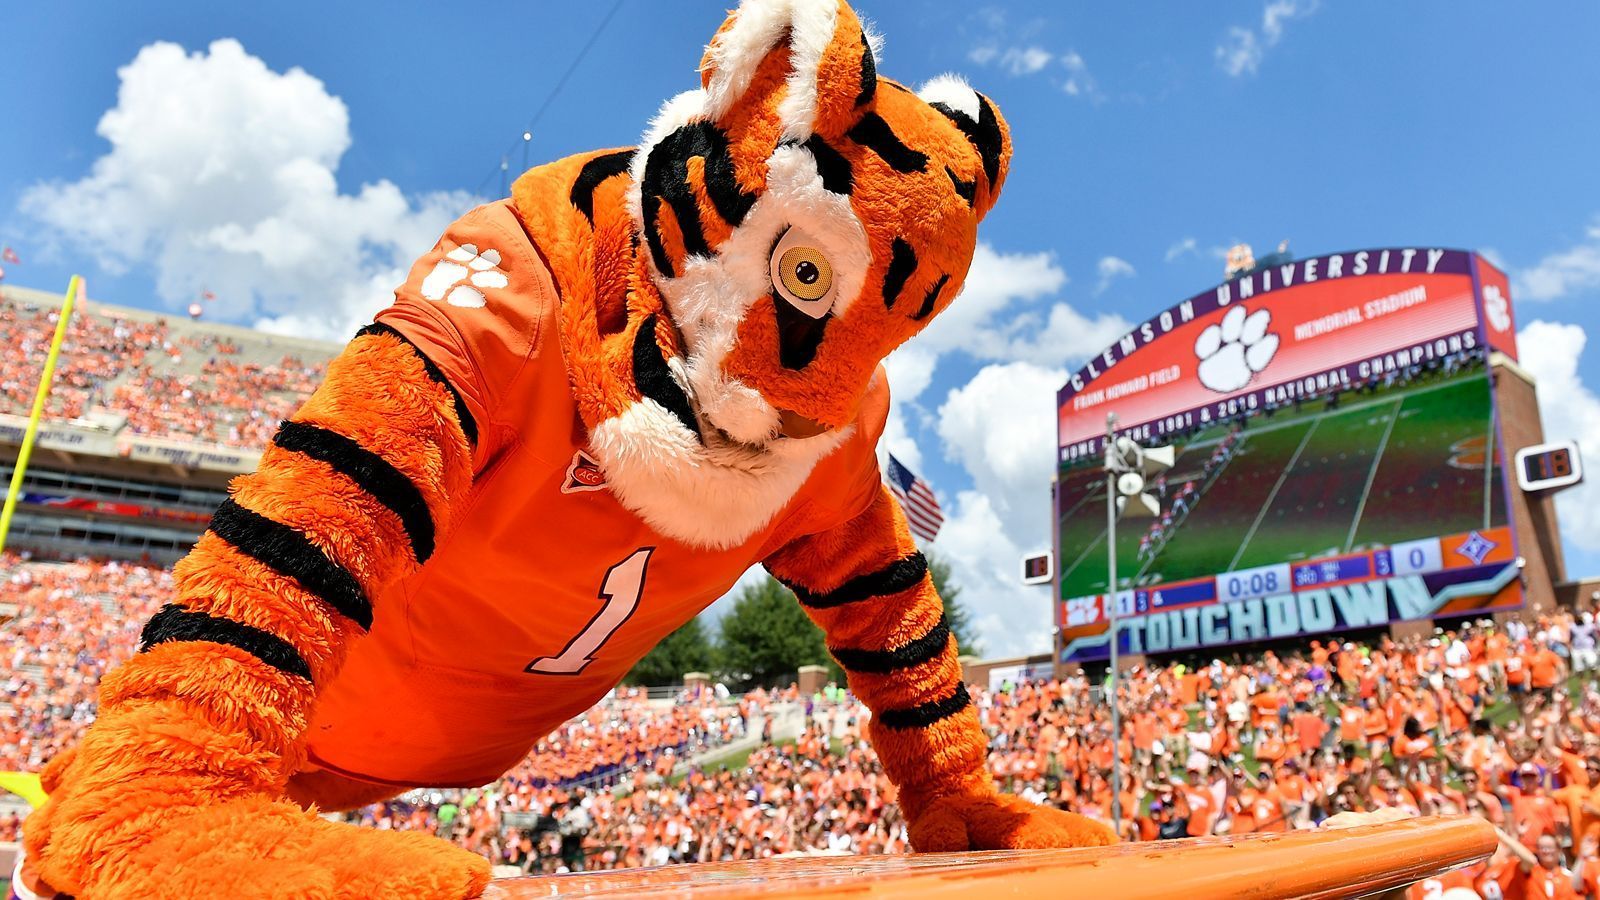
1337	462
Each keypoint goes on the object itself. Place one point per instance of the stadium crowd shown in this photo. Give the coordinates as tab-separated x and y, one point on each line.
1497	721
137	369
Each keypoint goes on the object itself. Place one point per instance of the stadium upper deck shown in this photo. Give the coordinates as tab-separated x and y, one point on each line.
157	375
148	416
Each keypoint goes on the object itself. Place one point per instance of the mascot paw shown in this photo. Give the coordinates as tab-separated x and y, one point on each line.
138	846
1001	822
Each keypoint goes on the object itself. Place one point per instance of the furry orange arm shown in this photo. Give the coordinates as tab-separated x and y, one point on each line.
350	496
201	729
866	585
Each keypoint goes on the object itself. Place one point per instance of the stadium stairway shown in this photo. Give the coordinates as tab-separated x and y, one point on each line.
788	722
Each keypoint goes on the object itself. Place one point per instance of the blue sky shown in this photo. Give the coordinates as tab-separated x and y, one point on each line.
1148	137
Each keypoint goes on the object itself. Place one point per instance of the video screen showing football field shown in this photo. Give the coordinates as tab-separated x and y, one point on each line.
1369	467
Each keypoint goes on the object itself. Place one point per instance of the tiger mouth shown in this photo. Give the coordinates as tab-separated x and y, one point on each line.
793	425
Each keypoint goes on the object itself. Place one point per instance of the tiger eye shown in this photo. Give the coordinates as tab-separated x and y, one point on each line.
805	273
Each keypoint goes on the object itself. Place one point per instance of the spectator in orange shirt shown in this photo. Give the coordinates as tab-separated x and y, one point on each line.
1264	707
1352	725
1375	727
1270	748
1472	789
1412	745
1548	877
1516	669
1201	804
1545	670
1266	808
1532	810
1309	730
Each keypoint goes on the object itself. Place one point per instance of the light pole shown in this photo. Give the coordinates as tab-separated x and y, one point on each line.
1111	617
1127	465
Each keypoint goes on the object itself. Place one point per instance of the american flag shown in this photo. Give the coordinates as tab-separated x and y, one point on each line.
916	498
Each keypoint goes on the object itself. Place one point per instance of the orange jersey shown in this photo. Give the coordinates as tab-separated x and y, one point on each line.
1352	721
539	601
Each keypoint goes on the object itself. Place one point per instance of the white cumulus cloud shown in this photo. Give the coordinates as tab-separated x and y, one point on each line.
1240	53
1079	82
1015	60
221	176
1031	59
1185	247
998	316
1000	427
1564	272
1111	268
1570	410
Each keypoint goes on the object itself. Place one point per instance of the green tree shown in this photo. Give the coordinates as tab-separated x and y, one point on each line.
688	649
959	617
766	637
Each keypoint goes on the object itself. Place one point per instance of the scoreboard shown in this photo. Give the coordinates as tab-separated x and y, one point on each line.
1549	467
1339	458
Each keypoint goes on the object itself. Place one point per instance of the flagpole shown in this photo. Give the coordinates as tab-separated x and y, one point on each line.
39	398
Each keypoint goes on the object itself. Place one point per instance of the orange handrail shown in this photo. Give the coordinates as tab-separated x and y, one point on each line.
1318	864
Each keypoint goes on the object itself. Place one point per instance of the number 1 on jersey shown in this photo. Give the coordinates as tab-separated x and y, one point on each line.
620	590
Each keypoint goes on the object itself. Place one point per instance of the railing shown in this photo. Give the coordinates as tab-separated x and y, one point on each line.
1352	862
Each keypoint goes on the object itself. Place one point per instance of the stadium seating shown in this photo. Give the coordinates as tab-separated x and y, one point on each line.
165	377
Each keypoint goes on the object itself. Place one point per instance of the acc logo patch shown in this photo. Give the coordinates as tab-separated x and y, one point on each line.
583	475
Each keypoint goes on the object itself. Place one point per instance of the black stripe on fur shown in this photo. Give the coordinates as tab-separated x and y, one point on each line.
984	134
966	190
931	299
594	173
902	265
831	165
869	72
289	553
880	662
650	208
174	623
469	427
371	472
875	134
799	335
900	575
655	380
925	714
666	177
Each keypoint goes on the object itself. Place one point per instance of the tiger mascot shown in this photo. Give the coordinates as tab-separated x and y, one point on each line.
589	410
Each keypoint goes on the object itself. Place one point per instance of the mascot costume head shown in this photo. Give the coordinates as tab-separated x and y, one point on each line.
776	234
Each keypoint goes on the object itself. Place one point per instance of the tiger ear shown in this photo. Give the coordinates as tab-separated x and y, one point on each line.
976	117
820	46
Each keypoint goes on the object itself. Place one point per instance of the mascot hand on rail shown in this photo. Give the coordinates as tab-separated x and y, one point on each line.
590	408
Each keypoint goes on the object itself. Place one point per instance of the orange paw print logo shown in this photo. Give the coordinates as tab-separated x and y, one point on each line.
461	278
1469	453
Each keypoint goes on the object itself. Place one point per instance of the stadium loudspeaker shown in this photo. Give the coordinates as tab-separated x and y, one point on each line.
1158	458
1130	483
1139	506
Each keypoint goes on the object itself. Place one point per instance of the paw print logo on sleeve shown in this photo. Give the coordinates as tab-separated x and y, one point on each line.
461	278
1233	351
